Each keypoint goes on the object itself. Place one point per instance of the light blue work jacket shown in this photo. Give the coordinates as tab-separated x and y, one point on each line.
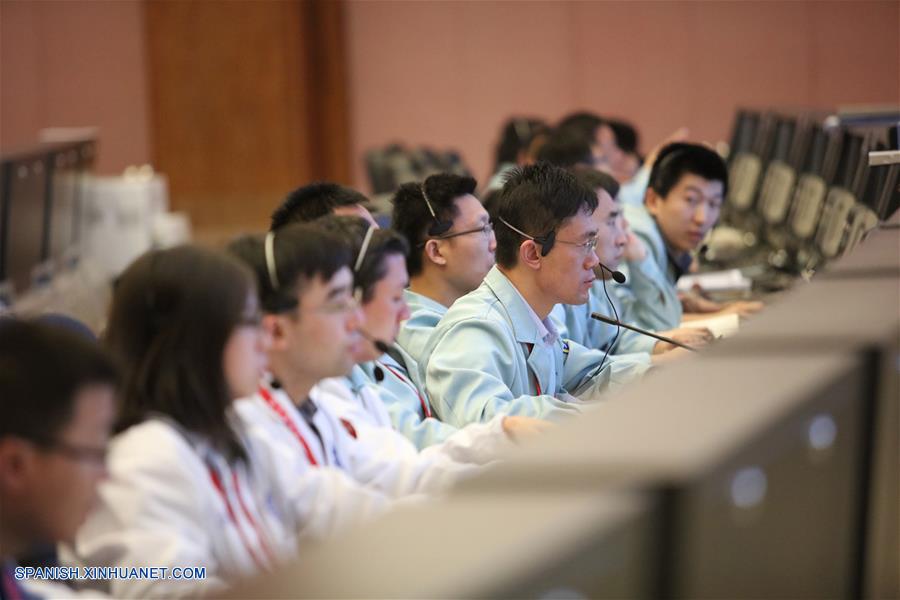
486	357
574	322
633	191
652	281
424	314
406	402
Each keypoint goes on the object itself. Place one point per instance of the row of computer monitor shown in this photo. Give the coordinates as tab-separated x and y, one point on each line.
804	181
41	195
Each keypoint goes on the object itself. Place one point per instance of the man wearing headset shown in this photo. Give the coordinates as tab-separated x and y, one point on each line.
386	384
687	185
615	243
496	350
452	249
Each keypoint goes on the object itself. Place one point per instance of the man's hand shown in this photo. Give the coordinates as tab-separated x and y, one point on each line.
692	302
517	427
695	337
743	308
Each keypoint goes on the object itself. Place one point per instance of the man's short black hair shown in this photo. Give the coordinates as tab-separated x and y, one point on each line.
537	199
42	369
566	148
309	202
301	252
351	231
411	216
626	135
597	180
583	121
679	159
515	136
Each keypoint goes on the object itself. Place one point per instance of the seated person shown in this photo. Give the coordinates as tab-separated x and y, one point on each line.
496	350
380	278
314	323
185	489
57	405
567	147
615	242
687	185
451	252
520	140
309	202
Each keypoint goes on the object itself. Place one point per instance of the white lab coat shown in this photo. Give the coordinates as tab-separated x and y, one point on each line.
376	458
160	507
364	402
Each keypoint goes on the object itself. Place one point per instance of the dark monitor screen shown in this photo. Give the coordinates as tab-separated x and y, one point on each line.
784	136
764	140
889	193
814	156
25	230
745	126
848	160
872	183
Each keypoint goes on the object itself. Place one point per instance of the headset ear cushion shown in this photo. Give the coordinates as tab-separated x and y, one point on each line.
547	243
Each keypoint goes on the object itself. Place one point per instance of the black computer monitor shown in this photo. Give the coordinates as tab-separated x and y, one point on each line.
25	242
848	162
744	132
813	157
781	174
889	195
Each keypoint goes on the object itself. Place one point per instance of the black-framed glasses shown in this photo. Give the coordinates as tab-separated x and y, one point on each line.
486	229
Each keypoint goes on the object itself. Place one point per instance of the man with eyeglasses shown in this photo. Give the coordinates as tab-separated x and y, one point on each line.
57	405
496	351
616	243
442	266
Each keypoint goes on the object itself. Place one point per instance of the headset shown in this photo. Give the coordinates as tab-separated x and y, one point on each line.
439	227
546	241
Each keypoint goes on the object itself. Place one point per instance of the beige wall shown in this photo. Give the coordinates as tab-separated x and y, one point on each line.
75	63
448	73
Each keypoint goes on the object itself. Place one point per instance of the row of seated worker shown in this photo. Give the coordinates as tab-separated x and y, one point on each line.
313	376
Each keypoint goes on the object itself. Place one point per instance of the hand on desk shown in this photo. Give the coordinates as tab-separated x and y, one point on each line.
742	308
695	337
518	427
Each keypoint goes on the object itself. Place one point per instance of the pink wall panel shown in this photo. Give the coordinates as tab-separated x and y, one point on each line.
75	63
448	73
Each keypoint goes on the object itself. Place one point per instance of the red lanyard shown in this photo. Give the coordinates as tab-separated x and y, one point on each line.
288	422
217	483
425	409
537	382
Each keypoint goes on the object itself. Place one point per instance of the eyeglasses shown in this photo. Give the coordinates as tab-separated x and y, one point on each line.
586	247
75	452
342	305
486	229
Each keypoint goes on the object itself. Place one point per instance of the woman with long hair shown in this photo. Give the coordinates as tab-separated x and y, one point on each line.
182	490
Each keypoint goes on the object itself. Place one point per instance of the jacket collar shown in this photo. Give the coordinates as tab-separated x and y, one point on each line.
417	301
521	316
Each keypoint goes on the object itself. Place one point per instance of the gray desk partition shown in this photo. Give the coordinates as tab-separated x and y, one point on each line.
877	256
854	309
540	544
755	471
